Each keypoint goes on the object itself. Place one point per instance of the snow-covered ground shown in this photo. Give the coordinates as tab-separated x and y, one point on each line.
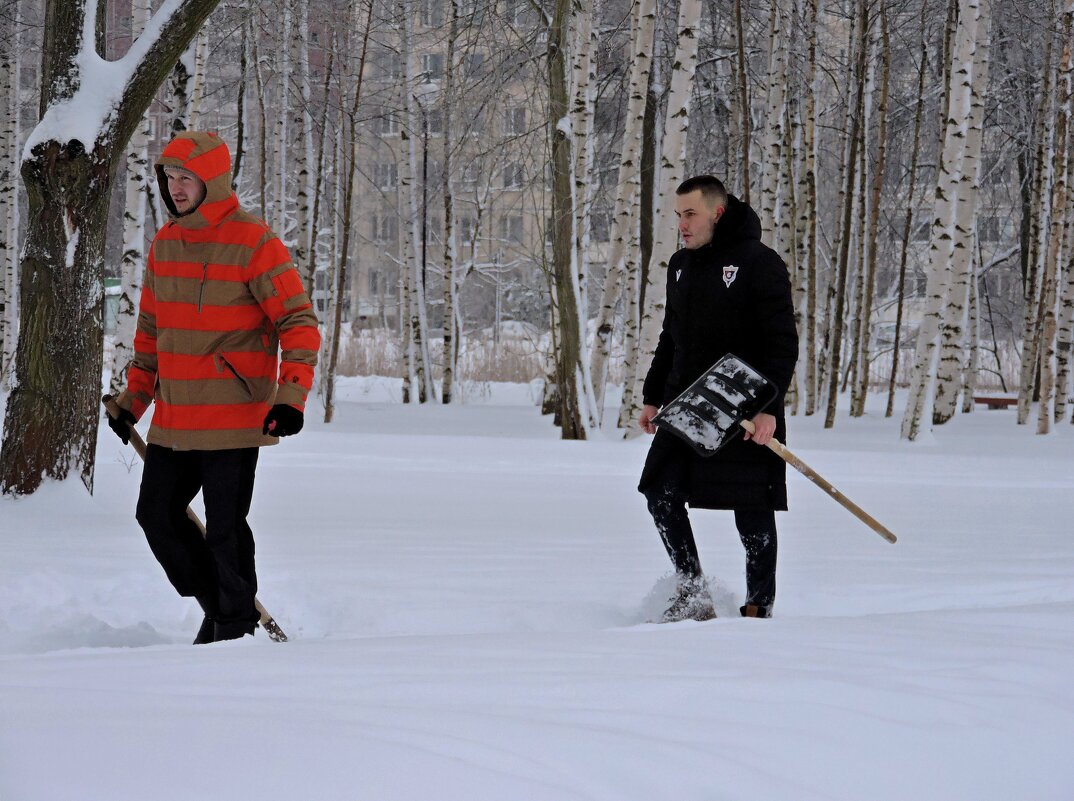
467	598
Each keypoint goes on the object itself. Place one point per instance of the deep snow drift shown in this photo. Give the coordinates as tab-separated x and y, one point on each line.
467	598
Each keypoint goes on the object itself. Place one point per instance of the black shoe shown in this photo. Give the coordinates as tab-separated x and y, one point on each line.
207	632
233	629
755	610
692	602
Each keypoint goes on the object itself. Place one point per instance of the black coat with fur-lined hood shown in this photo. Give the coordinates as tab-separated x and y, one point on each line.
732	295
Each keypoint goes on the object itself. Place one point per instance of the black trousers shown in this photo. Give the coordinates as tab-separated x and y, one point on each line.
756	529
217	569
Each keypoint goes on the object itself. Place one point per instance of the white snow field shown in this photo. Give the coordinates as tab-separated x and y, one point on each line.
467	599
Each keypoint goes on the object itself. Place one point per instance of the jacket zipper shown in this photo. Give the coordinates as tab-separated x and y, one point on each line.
201	289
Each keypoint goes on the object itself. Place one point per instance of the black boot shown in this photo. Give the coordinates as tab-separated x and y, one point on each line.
207	632
755	610
233	629
692	601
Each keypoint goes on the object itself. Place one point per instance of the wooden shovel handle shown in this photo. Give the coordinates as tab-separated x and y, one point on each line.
785	454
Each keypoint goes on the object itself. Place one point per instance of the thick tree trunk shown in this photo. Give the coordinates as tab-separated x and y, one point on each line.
52	417
568	336
1065	332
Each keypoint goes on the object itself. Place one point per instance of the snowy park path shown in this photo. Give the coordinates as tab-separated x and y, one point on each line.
467	595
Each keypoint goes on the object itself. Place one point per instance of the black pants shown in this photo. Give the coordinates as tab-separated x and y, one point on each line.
756	529
217	569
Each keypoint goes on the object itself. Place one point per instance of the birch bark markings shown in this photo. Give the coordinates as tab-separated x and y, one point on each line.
918	415
8	204
132	265
451	347
672	162
954	334
624	247
1055	238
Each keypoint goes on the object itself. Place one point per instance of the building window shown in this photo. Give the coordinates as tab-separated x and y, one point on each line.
386	125
386	175
434	119
600	226
467	227
922	231
989	229
512	175
390	66
386	228
511	228
432	13
470	175
432	64
516	120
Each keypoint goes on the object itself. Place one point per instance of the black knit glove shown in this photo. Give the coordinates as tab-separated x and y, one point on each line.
282	421
122	424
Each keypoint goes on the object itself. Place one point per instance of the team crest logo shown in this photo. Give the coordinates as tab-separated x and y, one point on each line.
677	274
730	272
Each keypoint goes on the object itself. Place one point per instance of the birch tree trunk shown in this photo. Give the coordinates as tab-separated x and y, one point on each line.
242	124
572	366
52	417
177	98
743	101
950	366
319	170
1055	238
918	415
909	218
197	81
301	124
280	140
132	266
837	291
408	185
8	202
672	162
583	93
1065	331
775	120
806	300
1032	293
262	131
351	163
624	246
872	232
451	348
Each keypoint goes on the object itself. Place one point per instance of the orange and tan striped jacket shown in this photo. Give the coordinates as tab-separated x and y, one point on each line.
220	299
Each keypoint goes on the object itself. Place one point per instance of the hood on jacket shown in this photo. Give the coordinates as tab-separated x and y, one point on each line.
738	222
207	156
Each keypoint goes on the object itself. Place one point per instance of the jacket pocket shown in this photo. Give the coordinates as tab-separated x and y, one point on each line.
223	364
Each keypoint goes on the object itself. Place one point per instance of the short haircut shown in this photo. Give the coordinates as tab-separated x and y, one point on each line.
712	188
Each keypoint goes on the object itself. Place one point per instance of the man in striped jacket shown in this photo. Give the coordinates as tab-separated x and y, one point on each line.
220	300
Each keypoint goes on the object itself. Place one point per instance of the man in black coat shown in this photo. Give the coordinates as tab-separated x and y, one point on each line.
726	293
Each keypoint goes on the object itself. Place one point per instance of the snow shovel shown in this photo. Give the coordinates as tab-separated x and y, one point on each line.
268	623
712	409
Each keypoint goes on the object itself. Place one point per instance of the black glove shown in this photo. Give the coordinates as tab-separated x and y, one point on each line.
122	424
282	421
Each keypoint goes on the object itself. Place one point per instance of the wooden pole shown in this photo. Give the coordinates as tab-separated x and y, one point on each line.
783	453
